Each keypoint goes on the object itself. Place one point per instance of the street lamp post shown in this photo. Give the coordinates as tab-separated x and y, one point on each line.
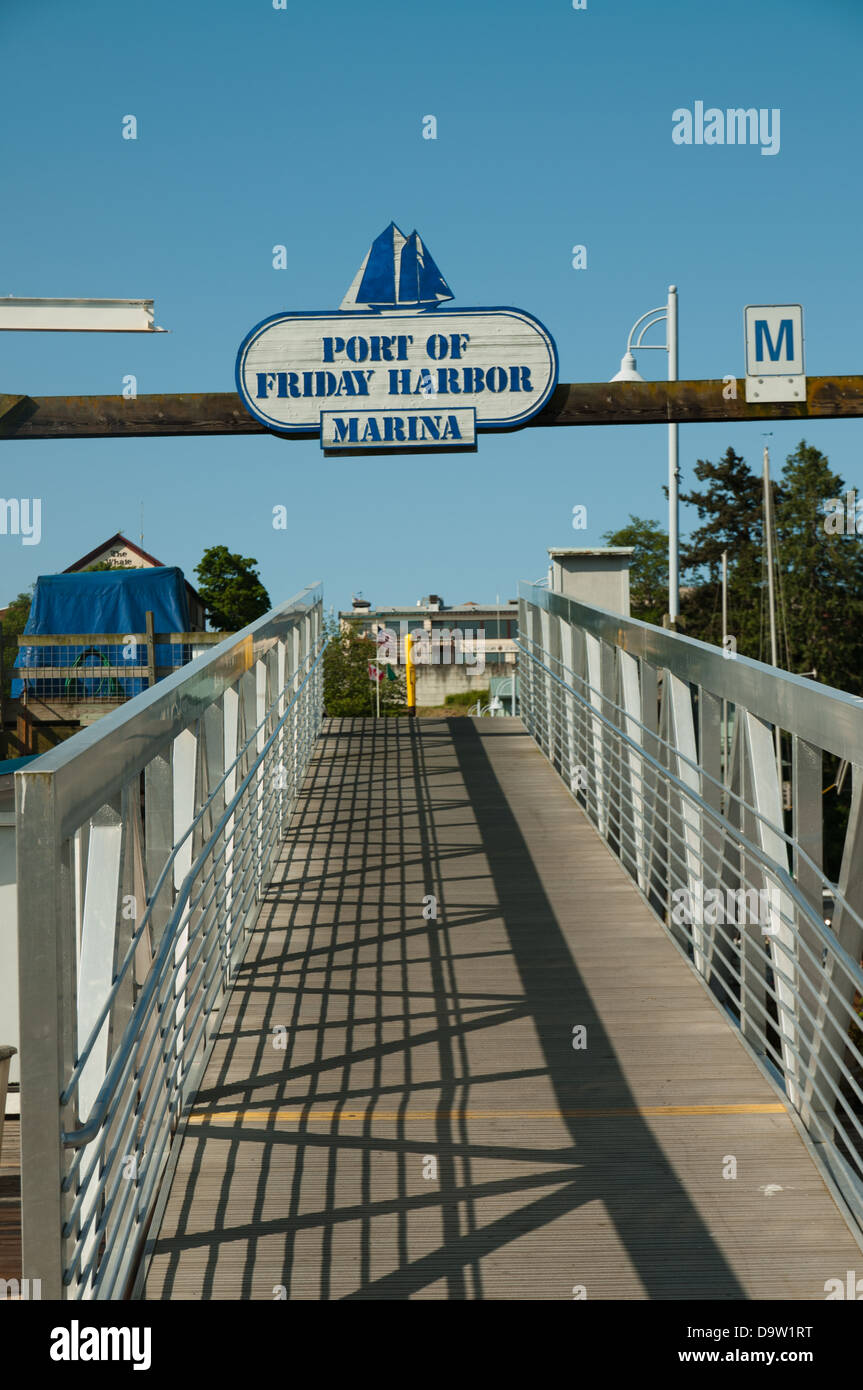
628	372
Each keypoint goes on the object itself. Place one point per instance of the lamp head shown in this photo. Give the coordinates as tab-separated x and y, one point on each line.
627	369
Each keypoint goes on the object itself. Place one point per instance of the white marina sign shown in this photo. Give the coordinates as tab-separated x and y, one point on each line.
396	372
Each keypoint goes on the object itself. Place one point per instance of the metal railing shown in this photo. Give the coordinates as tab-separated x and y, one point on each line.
671	748
144	847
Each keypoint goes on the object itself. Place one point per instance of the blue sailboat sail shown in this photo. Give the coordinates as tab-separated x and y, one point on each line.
420	281
378	285
398	272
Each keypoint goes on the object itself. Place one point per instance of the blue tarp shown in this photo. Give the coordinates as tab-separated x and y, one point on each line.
10	765
105	601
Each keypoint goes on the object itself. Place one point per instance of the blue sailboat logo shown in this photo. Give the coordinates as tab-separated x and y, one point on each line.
397	273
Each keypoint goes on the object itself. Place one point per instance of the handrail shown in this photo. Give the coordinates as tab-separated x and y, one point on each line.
144	844
88	1131
686	790
794	702
630	717
753	851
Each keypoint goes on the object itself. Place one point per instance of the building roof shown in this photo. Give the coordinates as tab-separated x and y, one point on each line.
507	610
592	550
119	539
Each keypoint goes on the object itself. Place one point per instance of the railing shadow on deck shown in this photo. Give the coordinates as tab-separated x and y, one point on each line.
656	1221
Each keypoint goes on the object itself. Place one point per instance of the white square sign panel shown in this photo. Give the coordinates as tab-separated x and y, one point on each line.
774	352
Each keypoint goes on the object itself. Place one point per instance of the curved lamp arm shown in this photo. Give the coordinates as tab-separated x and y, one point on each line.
662	312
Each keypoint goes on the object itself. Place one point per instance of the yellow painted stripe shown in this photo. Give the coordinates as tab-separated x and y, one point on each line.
224	1117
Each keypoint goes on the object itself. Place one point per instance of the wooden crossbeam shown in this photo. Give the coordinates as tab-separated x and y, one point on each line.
579	403
126	671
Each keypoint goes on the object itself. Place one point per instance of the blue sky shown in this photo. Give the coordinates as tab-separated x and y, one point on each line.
303	127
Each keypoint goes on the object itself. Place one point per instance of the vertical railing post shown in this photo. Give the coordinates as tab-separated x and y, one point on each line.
47	989
260	741
540	728
231	713
710	762
683	754
545	625
595	668
295	659
213	768
569	755
318	621
281	771
649	677
630	700
98	961
158	822
185	754
308	688
524	665
781	948
832	1024
806	798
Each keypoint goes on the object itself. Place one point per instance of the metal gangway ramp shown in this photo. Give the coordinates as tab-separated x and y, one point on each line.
419	1019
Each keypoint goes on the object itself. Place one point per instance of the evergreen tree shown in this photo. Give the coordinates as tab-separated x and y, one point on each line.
820	577
648	575
818	583
732	505
732	509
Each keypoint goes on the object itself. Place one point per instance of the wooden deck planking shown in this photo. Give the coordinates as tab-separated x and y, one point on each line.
410	1040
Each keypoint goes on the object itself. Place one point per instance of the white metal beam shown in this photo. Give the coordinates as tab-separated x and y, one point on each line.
78	315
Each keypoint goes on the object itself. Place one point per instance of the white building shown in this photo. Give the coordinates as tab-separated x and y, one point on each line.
467	644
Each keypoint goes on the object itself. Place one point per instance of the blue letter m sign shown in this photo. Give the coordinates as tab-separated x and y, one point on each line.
762	335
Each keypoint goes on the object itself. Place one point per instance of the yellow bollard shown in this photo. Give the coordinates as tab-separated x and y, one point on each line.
410	676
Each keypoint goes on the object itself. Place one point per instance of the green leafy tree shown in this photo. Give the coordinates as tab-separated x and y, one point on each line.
394	694
231	589
14	621
648	575
348	689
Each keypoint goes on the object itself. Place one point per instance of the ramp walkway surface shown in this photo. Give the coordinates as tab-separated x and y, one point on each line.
394	1107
